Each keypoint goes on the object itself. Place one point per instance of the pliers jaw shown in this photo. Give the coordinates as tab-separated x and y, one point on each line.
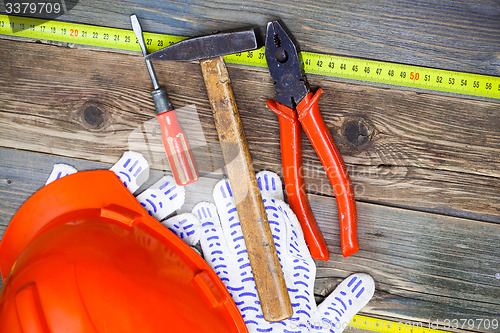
285	66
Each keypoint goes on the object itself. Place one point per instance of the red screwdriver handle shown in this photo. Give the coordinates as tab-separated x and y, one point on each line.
322	141
177	149
293	174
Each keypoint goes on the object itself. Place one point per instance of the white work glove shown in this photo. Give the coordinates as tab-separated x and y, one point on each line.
224	249
219	232
160	200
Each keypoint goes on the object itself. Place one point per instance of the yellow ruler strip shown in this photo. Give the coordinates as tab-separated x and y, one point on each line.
77	33
314	63
403	75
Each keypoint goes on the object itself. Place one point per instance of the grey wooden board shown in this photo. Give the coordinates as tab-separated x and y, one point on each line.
461	35
426	266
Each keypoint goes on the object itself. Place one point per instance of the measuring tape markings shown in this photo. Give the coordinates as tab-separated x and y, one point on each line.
403	75
314	63
82	34
387	73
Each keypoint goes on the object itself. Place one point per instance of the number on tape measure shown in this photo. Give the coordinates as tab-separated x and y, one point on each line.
402	75
81	34
314	63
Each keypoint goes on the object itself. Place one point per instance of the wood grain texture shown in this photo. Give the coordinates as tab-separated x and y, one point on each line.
461	35
426	266
446	264
405	149
266	269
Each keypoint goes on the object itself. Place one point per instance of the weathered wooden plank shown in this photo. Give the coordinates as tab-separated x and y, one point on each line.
402	148
418	257
461	35
426	266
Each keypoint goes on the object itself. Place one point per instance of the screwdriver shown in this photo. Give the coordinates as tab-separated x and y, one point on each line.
174	140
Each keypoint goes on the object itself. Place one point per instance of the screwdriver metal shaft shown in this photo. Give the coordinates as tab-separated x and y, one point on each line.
136	26
174	140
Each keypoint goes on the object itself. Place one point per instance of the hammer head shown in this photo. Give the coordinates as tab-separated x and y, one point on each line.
209	46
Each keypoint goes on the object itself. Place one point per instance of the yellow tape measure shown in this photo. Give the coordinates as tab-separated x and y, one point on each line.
314	63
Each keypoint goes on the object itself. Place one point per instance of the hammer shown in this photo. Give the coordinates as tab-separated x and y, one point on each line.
266	268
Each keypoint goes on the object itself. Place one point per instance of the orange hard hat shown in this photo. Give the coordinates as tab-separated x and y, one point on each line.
82	255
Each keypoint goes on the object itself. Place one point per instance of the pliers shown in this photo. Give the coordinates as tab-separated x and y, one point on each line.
296	105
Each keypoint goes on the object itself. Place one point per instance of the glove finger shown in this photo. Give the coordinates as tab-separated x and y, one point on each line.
163	198
242	287
237	251
231	227
295	238
60	170
297	264
271	190
350	296
212	240
217	254
299	267
278	228
270	185
186	226
132	169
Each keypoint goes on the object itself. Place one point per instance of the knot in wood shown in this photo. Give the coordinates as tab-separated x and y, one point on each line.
93	117
356	132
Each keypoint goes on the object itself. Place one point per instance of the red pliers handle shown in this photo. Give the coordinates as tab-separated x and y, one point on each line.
308	115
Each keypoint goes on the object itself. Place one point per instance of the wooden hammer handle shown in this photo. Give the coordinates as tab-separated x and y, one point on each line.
266	268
